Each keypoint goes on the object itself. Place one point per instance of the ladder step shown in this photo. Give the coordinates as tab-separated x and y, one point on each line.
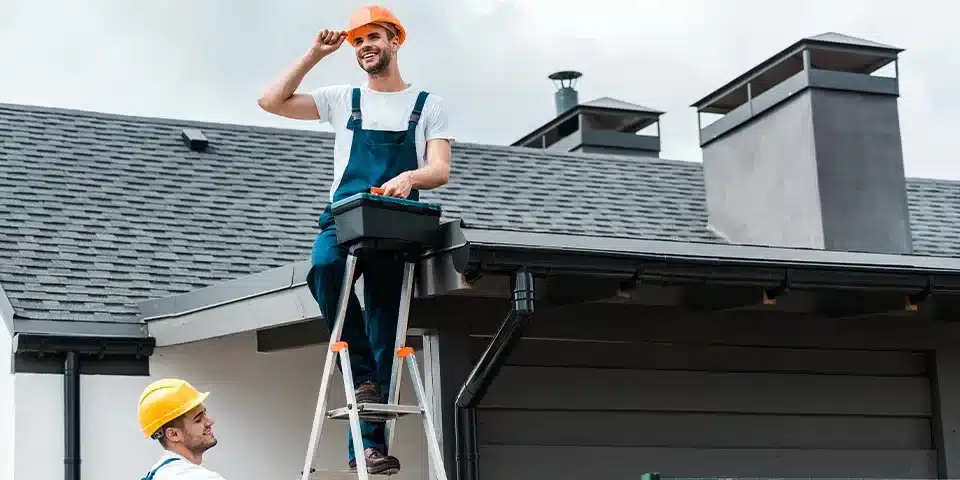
376	412
342	474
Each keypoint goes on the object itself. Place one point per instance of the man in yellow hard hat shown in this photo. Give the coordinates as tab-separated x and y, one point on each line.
171	411
391	135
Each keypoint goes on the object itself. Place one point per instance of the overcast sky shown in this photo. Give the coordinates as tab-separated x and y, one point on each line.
211	59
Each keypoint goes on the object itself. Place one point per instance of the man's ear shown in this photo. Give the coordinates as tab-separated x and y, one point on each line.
171	433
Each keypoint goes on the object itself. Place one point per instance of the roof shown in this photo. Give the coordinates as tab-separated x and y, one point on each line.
103	211
613	103
834	37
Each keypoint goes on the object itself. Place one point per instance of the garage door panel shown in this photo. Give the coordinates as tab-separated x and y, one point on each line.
713	358
691	391
665	429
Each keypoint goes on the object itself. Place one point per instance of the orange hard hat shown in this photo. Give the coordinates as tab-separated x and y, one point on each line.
374	14
165	400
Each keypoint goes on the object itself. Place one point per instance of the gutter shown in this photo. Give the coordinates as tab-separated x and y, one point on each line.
611	251
478	382
679	270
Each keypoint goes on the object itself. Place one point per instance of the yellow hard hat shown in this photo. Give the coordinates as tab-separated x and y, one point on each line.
165	400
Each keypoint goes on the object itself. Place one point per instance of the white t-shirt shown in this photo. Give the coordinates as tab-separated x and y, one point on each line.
381	111
182	469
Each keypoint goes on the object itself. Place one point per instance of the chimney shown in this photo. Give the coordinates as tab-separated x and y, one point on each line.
808	151
604	125
566	95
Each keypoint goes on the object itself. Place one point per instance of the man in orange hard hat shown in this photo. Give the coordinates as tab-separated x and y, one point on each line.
171	411
389	134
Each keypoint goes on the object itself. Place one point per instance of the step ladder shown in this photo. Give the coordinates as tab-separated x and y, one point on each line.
372	222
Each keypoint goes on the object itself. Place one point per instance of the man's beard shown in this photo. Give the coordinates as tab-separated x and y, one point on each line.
380	66
199	444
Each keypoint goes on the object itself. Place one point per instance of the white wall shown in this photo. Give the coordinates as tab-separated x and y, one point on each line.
7	414
263	405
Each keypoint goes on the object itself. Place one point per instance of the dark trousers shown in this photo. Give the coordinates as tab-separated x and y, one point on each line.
371	343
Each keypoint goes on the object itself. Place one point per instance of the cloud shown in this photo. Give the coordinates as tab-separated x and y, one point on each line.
489	58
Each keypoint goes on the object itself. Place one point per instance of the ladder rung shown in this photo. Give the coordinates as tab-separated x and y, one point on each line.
342	474
373	412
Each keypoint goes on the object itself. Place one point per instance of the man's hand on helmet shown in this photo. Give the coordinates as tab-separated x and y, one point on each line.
327	42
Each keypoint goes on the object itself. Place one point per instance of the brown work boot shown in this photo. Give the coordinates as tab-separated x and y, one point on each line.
378	463
369	392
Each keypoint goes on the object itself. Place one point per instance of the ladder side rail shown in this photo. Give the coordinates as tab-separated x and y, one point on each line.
403	317
355	434
433	444
329	366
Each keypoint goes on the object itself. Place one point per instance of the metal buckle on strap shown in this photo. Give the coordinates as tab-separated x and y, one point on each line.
414	117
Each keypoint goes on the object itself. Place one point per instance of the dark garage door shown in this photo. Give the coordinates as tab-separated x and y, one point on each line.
561	410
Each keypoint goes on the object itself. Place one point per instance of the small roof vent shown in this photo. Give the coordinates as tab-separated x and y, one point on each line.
195	139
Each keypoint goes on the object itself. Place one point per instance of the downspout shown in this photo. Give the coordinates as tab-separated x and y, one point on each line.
71	416
478	382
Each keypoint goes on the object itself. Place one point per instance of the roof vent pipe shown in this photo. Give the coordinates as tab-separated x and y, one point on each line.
566	95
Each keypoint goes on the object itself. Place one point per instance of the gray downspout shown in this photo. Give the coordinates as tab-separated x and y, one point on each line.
478	382
71	417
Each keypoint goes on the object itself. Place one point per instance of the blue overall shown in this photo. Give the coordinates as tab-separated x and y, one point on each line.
376	156
154	471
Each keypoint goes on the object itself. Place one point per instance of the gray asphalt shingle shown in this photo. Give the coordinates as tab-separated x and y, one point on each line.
103	211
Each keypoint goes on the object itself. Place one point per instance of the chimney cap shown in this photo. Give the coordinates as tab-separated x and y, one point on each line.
830	51
565	75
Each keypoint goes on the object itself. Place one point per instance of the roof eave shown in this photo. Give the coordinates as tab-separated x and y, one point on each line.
31	335
39	327
6	311
629	253
79	328
678	269
280	296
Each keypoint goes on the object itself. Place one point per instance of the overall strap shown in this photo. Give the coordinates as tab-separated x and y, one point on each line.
154	471
356	118
418	109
